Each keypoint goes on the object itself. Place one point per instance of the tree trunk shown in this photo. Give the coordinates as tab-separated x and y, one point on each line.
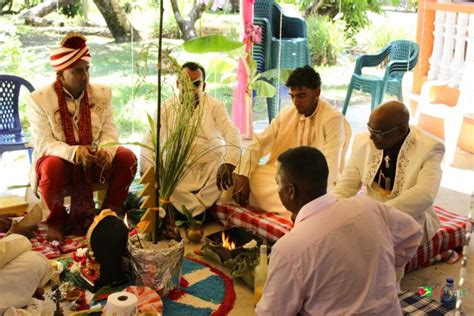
34	15
117	21
187	26
313	7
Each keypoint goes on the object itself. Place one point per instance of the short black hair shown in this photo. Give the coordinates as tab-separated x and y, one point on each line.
195	66
307	167
304	77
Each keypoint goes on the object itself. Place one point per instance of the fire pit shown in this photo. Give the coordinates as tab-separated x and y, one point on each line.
236	249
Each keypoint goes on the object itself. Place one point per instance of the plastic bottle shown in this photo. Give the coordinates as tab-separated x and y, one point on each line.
448	295
260	274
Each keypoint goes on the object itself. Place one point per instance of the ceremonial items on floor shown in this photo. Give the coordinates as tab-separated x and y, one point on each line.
192	227
236	249
107	239
121	304
260	274
157	266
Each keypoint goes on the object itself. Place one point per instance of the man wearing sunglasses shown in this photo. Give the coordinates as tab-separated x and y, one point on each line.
398	164
310	121
204	182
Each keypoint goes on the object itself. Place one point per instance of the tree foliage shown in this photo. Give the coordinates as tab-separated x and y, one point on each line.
353	12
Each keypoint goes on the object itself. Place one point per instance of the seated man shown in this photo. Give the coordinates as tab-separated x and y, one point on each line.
23	272
212	173
310	122
330	263
398	164
70	119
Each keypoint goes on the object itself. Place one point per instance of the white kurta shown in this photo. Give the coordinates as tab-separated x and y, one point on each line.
47	134
22	271
326	129
417	178
198	190
340	259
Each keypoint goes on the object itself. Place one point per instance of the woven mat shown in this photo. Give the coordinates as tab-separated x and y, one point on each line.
414	304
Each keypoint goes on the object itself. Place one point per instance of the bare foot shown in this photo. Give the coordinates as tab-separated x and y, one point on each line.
19	228
39	294
55	233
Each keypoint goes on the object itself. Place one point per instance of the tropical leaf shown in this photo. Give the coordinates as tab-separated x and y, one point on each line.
264	89
273	74
211	43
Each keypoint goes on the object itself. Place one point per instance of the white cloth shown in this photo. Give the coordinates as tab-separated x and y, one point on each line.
198	190
21	271
47	132
340	259
417	179
326	129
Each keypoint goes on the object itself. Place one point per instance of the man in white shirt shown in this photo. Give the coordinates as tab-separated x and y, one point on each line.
340	257
398	164
218	137
311	121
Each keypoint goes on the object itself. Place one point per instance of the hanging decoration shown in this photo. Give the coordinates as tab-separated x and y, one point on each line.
242	97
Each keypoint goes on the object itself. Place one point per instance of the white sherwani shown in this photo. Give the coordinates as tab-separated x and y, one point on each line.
417	179
198	190
47	130
22	271
326	129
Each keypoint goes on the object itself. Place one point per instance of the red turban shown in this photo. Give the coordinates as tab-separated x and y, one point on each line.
73	48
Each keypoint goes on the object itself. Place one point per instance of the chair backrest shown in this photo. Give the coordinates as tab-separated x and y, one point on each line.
263	9
403	50
403	58
9	98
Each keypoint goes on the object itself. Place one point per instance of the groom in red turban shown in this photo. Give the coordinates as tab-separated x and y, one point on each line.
70	121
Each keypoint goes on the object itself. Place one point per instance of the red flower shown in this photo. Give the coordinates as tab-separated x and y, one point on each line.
253	33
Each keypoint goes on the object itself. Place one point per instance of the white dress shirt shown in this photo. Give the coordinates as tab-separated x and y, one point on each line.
340	259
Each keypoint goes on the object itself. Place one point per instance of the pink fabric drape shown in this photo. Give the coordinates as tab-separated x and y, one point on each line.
242	103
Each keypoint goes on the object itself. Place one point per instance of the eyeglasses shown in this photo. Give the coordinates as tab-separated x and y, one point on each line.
381	134
197	83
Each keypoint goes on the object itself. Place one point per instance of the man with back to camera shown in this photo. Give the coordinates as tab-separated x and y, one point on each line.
329	264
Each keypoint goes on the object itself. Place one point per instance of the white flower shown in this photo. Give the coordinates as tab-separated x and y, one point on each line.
250	245
75	267
81	252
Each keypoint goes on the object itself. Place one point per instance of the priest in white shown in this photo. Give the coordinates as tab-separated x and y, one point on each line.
398	164
218	136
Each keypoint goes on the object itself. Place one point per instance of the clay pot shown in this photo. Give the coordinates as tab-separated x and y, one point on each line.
194	233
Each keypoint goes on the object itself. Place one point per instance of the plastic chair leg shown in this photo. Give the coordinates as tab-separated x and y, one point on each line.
347	100
30	152
374	100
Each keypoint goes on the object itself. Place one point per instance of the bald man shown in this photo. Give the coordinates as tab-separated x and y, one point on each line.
398	164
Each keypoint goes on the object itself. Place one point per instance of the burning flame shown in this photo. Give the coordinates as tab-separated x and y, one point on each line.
226	243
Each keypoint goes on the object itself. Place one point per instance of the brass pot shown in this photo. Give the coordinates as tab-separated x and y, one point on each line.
194	232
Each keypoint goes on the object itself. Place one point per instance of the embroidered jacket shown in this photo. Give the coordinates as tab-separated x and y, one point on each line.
47	134
417	177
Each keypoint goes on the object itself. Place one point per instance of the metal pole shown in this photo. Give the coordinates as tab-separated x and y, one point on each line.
158	123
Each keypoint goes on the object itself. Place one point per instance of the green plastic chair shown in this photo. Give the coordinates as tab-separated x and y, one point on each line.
294	43
401	56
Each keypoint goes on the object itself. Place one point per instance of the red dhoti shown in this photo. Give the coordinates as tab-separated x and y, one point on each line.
54	181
